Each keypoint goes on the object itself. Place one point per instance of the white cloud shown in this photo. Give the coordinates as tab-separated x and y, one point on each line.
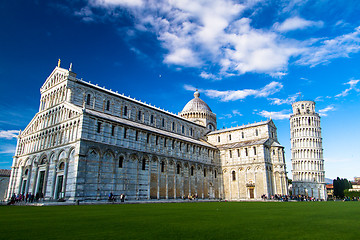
233	113
284	114
236	113
116	3
8	134
278	101
206	75
328	49
189	88
323	112
296	23
352	84
233	95
319	99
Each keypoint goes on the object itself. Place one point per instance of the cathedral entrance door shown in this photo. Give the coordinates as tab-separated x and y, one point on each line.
41	183
23	188
59	187
251	192
211	191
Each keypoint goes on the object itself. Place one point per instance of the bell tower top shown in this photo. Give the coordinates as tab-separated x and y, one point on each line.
303	107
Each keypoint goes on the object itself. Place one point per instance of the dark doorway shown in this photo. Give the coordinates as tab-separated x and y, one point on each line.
59	188
251	192
41	183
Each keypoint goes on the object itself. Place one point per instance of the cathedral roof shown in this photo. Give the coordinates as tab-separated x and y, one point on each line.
242	127
196	104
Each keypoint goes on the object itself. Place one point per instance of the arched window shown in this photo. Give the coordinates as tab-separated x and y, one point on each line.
192	171
62	166
242	135
229	137
191	131
136	135
182	129
218	138
139	115
246	152
178	169
204	172
108	105
121	161
254	150
152	119
230	153
26	172
143	166
233	174
148	138
125	111
173	126
163	122
215	174
256	132
173	144
162	166
125	130
88	99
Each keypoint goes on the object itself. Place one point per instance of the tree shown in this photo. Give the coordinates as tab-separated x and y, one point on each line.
340	185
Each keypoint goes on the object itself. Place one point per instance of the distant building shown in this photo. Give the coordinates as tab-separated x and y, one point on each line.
87	141
330	191
306	151
355	185
4	182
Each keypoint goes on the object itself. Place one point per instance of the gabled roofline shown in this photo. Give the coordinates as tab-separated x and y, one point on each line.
69	105
56	69
242	127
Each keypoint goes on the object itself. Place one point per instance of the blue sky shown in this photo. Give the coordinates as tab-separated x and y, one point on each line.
249	59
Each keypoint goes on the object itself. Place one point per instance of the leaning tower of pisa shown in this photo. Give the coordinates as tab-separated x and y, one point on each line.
307	153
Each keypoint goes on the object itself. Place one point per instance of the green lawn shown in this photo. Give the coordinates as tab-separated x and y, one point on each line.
225	220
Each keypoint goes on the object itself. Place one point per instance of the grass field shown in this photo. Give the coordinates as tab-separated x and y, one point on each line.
211	220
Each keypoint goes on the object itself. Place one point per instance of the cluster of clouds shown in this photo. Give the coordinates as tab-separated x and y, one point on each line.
219	36
220	39
265	92
233	95
8	134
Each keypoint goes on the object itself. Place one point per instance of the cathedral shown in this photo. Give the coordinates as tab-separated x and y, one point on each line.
87	141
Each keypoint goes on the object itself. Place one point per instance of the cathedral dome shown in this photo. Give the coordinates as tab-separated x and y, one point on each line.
196	104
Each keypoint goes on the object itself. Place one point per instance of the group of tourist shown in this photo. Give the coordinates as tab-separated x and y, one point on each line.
286	198
190	197
112	197
25	198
